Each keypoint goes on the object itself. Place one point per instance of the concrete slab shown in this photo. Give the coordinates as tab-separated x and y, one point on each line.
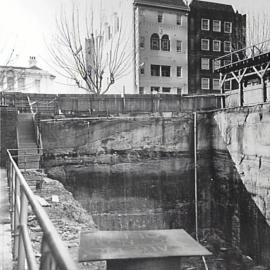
5	224
117	245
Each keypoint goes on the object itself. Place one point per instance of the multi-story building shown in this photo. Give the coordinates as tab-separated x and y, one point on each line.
214	30
172	45
30	79
156	32
161	29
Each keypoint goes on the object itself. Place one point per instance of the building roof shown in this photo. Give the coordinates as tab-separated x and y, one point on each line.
17	67
27	68
35	67
211	6
178	4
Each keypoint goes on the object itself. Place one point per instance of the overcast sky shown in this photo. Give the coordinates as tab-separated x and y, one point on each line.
26	24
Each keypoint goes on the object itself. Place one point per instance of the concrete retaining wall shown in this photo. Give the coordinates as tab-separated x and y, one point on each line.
8	138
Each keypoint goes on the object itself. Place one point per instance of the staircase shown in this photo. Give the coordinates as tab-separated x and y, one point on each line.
28	156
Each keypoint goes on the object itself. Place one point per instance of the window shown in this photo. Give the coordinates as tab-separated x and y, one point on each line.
166	89
205	83
216	26
154	42
205	44
216	45
10	83
178	19
179	91
227	27
205	64
216	64
205	24
142	40
154	89
226	62
227	46
216	84
179	45
165	43
142	70
179	71
155	70
227	85
141	90
165	71
21	83
160	17
37	85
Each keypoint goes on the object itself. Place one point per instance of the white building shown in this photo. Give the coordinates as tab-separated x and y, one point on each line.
155	35
30	79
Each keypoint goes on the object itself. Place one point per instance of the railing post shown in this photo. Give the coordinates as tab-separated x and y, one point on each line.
23	223
12	197
46	258
241	94
16	217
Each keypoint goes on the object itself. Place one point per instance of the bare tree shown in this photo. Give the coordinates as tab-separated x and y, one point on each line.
258	29
87	52
6	57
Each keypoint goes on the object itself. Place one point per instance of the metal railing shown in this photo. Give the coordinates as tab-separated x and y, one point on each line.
54	254
242	54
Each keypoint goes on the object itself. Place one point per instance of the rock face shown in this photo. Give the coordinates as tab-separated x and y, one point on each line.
241	160
119	135
139	174
132	173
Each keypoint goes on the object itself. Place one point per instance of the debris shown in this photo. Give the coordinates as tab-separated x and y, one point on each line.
42	201
55	198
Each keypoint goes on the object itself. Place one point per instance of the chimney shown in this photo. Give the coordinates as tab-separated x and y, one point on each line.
32	61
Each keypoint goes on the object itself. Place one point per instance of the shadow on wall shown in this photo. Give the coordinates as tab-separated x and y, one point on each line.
154	194
234	210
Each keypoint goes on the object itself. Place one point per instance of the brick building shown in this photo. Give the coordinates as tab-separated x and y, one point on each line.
214	30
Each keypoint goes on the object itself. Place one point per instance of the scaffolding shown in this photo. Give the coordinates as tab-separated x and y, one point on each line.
242	65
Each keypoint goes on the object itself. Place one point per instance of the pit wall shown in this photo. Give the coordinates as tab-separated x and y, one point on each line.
241	165
138	173
8	138
132	173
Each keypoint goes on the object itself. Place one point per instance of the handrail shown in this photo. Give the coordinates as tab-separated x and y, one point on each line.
243	54
54	254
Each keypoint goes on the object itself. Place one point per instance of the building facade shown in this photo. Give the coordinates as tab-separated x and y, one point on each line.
161	31
155	36
172	44
30	79
214	30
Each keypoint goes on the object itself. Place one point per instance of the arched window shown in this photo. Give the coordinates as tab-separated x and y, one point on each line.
154	42
165	43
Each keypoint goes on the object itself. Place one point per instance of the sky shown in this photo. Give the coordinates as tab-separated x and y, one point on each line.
29	25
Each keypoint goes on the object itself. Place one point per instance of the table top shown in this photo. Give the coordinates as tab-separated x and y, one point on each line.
115	245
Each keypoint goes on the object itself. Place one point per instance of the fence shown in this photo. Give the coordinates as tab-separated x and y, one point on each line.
54	254
110	104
